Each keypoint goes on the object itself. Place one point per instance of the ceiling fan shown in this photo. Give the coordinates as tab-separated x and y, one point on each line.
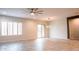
35	11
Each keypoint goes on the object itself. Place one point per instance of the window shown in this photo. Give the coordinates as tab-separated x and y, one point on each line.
11	28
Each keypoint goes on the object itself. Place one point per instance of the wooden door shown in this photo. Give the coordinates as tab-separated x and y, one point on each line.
74	28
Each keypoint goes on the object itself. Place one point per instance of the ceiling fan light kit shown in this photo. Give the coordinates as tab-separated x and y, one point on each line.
32	14
35	11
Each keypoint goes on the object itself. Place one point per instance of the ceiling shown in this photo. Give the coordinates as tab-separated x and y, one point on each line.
49	13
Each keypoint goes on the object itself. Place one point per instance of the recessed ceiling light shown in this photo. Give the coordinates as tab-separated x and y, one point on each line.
51	18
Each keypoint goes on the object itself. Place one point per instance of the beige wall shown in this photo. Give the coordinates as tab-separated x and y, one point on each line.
58	28
29	29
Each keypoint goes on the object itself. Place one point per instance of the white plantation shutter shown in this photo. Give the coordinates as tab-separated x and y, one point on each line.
19	28
11	28
15	28
3	28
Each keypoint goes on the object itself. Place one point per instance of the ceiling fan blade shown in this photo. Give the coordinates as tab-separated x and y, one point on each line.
40	11
35	9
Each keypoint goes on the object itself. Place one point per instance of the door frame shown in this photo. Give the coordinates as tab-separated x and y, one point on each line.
70	18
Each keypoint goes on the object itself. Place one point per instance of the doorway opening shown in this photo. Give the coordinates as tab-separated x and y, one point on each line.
73	27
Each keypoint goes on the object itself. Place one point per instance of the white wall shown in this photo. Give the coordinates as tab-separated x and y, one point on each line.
58	28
